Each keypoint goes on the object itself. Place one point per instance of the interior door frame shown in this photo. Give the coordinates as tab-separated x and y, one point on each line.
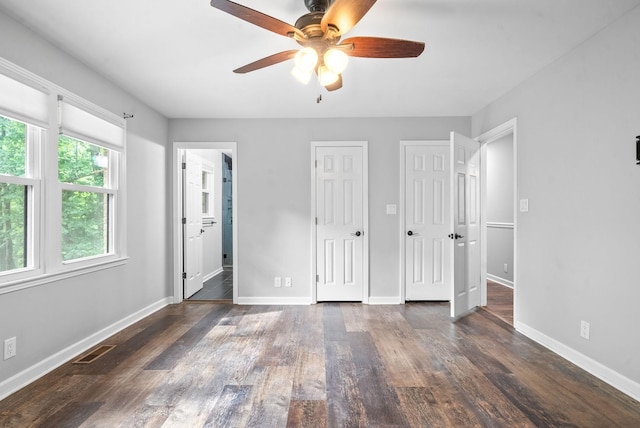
500	131
402	202
365	214
176	221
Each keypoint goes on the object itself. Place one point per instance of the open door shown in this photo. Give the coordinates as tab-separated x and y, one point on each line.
192	221
465	177
227	211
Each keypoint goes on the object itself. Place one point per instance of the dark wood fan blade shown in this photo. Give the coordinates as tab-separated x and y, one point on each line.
380	47
257	18
267	61
345	14
336	85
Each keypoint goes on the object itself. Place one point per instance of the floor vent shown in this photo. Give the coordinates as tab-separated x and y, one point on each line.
94	355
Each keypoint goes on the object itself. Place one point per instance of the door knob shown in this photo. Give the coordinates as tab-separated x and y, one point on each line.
358	233
455	236
410	233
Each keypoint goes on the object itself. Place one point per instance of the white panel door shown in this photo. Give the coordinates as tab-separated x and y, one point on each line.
339	217
465	176
427	222
193	230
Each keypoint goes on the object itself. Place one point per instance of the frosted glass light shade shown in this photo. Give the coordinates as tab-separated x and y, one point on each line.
306	59
301	75
336	60
326	76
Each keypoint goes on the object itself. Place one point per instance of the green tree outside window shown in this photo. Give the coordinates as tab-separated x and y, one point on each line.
12	196
85	215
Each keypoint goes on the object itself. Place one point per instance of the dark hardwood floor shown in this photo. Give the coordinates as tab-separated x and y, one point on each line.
500	301
218	288
325	365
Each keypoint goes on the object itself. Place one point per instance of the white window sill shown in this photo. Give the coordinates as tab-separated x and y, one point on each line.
38	280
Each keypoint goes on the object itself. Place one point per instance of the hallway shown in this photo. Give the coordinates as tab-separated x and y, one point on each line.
500	301
218	288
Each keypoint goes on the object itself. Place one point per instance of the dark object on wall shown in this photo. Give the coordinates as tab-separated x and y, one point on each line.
638	150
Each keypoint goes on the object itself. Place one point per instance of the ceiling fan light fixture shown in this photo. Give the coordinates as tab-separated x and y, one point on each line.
301	75
326	76
336	60
306	59
319	32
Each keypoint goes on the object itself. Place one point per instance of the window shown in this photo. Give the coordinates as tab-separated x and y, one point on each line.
89	149
87	198
13	239
18	186
13	196
71	173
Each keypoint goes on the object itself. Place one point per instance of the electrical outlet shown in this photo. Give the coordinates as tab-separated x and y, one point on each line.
585	329
10	348
277	282
287	281
506	268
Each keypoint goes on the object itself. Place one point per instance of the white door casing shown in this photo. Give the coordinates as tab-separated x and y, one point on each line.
507	128
465	183
193	245
178	180
427	220
340	223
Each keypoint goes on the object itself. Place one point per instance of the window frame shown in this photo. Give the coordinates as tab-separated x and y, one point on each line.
32	180
44	232
109	188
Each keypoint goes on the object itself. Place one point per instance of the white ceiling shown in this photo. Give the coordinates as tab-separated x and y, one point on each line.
178	55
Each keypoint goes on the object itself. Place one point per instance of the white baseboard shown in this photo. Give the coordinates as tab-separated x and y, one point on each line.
40	369
212	274
500	280
384	300
613	378
274	301
393	300
390	300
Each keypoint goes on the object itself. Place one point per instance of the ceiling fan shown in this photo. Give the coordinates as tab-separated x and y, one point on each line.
319	33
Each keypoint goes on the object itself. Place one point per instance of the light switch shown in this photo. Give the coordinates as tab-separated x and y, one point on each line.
392	209
524	205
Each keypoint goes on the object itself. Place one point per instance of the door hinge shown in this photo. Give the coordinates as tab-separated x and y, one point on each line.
316	221
184	220
316	163
317	278
184	165
184	275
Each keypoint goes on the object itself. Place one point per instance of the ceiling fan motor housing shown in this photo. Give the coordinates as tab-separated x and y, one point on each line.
309	24
317	5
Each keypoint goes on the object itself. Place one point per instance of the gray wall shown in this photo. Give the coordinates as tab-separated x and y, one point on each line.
49	318
579	243
274	184
499	209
